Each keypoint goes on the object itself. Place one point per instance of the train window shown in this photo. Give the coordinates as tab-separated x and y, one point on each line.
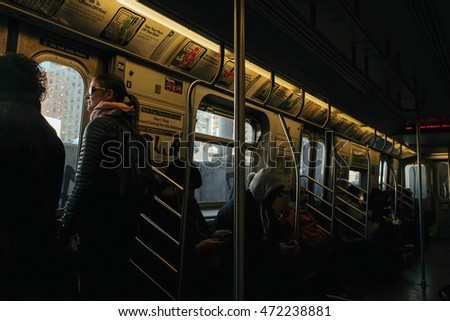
215	156
63	109
313	164
383	175
412	179
319	168
354	177
304	168
220	126
442	176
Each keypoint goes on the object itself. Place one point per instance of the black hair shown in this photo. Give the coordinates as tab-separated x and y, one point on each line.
22	77
115	83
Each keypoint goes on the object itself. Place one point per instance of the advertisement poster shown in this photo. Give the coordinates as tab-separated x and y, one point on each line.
189	56
352	131
314	113
263	91
122	27
338	123
45	7
292	103
227	77
162	130
286	100
105	19
196	60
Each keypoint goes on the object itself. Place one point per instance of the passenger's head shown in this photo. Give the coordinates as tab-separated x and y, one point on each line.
266	186
22	79
176	171
108	87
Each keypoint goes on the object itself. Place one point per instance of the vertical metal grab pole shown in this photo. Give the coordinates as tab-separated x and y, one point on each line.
421	236
239	134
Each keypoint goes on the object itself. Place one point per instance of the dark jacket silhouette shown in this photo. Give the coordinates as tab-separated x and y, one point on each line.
31	168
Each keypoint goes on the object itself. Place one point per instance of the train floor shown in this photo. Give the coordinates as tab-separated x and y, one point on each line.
399	276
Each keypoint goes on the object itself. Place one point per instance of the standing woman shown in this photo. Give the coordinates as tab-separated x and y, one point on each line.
98	210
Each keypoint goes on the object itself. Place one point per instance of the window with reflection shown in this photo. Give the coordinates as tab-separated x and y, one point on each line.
304	168
63	109
412	180
442	177
319	168
214	152
383	175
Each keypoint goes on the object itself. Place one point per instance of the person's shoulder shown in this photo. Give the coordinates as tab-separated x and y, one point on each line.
13	109
101	123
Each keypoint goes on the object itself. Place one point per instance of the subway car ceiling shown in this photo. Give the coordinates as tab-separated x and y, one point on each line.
381	63
378	61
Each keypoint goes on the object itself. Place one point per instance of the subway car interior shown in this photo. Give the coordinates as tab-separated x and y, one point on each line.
340	99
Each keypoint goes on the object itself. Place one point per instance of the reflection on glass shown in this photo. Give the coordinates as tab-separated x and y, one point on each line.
63	109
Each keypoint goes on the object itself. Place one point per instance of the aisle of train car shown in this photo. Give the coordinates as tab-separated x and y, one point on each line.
336	101
400	279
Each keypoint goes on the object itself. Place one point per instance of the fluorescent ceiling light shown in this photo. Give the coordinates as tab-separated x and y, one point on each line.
152	14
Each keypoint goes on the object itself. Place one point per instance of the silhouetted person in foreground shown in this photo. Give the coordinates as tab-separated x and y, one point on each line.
31	168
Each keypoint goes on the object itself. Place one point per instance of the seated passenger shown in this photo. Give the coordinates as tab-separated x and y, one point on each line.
310	233
263	224
203	246
268	235
224	219
388	231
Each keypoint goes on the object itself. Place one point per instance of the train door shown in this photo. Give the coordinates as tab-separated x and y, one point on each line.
421	187
214	153
352	176
314	177
441	226
313	162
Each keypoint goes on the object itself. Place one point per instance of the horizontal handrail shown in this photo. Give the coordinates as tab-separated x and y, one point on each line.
351	205
351	228
317	182
350	217
319	212
159	257
160	229
152	279
167	206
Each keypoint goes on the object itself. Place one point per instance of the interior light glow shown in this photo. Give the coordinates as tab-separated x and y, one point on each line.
288	85
316	100
148	12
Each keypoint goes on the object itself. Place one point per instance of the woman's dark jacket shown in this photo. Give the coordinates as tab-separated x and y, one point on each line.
97	209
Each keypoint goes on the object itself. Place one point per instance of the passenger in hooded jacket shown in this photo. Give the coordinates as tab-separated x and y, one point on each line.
206	256
98	211
31	168
268	235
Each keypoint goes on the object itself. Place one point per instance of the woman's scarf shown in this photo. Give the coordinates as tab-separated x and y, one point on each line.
108	108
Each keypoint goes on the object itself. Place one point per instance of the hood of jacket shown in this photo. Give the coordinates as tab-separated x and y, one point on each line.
263	184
